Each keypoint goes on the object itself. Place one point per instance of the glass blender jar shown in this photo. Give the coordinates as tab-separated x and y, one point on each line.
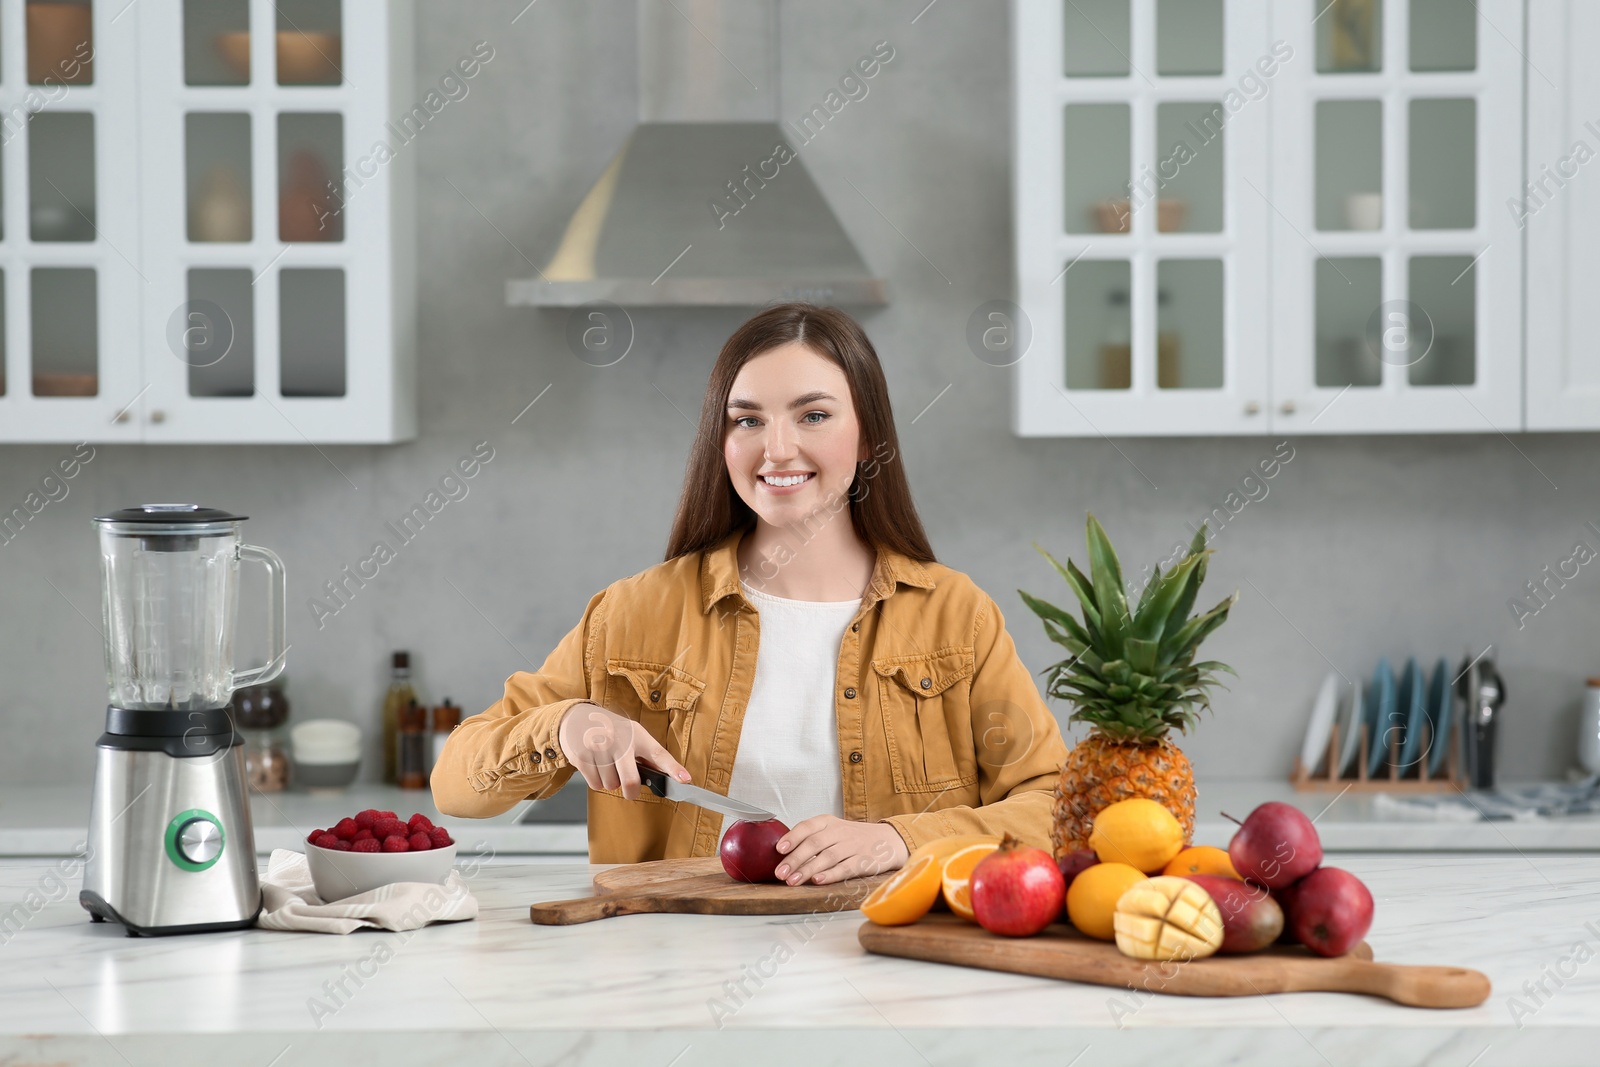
171	846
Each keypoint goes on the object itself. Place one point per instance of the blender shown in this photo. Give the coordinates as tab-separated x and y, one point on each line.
171	848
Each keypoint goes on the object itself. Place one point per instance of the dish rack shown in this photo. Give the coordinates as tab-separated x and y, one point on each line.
1390	778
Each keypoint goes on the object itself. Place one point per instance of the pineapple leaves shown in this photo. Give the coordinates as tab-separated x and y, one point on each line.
1132	676
1052	614
1141	655
1185	603
1155	608
1107	582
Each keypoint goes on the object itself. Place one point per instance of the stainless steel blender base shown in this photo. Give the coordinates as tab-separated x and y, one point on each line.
171	847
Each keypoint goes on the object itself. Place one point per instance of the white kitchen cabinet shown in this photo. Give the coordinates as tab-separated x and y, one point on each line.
1144	301
1560	210
1370	277
252	251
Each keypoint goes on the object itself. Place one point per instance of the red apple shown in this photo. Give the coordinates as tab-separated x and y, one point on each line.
1275	846
749	850
1075	862
1251	919
1330	911
1017	890
1285	899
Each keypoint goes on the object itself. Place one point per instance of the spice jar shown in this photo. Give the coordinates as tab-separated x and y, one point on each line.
259	714
446	717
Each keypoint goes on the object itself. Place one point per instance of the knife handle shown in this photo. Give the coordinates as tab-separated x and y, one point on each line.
652	779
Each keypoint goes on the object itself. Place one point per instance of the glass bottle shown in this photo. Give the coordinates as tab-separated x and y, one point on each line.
401	693
412	751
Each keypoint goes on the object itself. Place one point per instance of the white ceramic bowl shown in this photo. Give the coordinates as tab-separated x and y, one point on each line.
337	874
331	777
325	734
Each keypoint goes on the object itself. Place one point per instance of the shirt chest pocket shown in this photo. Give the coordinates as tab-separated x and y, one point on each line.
927	720
659	696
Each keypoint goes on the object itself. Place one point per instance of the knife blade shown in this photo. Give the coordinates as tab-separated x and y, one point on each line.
669	788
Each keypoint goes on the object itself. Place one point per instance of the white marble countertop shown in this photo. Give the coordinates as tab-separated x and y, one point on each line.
659	989
51	821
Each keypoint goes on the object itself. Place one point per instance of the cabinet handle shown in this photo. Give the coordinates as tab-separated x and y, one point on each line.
158	416
121	416
1252	407
1286	408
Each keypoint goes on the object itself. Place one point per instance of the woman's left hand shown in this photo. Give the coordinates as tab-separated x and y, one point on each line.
826	848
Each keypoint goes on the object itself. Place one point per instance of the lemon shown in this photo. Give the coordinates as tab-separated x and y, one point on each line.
1092	897
1139	832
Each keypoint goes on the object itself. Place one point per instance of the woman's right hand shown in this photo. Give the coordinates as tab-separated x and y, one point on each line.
604	746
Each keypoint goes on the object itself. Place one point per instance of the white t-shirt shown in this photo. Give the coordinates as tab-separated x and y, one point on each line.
788	757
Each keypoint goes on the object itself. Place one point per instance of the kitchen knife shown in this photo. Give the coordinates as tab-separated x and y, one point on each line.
661	785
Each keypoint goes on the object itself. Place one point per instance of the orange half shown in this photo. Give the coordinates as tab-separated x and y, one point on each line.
957	875
907	896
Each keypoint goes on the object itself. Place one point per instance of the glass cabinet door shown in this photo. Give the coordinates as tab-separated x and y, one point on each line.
1397	280
1146	293
269	221
70	274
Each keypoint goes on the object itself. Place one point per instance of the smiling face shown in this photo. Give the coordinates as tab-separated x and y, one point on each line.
790	413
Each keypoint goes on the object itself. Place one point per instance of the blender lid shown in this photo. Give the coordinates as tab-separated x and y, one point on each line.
171	513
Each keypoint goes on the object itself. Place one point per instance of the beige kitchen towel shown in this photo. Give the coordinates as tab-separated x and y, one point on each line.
289	901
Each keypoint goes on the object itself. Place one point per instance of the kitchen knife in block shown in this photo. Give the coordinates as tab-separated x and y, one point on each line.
1062	952
697	885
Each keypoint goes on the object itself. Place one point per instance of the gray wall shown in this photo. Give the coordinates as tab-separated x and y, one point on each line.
1364	546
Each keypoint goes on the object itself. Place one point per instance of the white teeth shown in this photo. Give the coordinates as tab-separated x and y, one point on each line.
792	480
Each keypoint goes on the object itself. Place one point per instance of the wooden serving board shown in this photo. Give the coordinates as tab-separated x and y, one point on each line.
1061	952
700	886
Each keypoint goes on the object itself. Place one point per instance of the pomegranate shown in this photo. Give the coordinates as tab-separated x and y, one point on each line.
1074	862
749	850
1017	890
1275	846
1330	911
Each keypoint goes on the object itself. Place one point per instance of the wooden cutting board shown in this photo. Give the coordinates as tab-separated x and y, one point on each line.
700	886
1062	952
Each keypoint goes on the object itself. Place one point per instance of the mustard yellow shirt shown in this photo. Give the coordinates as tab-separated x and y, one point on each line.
941	728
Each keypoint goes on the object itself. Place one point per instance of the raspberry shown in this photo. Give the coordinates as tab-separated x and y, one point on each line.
311	838
421	822
365	819
326	840
389	828
420	842
366	844
396	843
440	837
363	835
341	844
387	815
345	830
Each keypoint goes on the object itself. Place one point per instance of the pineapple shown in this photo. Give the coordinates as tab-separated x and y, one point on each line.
1132	678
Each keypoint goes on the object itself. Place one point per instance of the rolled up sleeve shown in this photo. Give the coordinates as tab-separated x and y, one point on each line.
509	752
1018	746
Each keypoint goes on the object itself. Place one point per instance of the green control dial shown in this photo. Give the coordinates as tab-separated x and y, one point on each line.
195	839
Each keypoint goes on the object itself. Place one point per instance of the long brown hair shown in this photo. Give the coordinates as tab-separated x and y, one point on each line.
880	499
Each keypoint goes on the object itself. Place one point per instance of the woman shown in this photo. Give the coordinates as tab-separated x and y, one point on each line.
799	649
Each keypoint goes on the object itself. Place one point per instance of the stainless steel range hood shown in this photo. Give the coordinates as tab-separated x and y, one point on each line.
708	201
